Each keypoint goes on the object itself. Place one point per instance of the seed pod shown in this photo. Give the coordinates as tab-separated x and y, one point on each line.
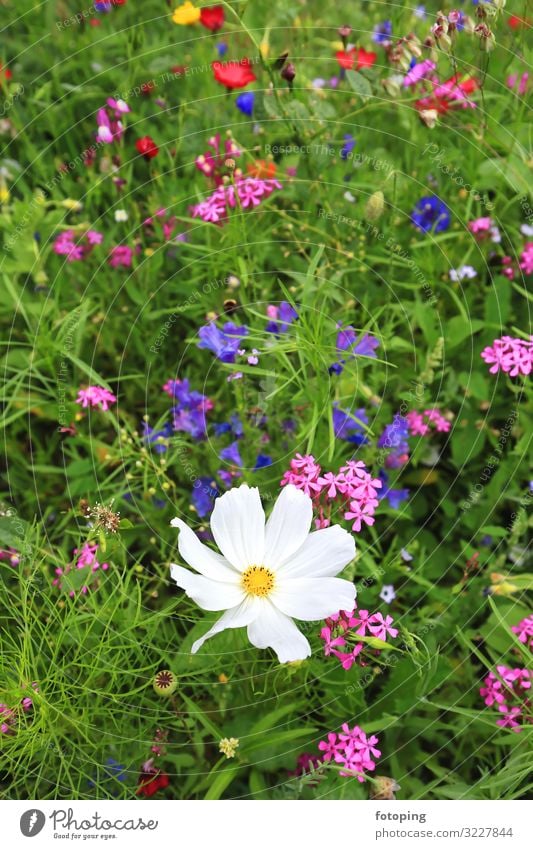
165	683
375	206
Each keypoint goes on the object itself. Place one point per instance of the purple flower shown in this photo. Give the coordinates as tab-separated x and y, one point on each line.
431	215
382	33
349	144
348	340
231	454
203	495
225	342
349	427
157	438
284	316
189	413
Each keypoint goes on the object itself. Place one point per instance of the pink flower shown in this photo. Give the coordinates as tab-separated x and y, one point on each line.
510	355
524	630
526	258
332	483
65	244
522	82
353	750
361	514
419	72
121	255
379	627
247	192
95	396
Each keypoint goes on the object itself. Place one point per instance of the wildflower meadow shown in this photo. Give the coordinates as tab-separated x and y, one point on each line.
266	359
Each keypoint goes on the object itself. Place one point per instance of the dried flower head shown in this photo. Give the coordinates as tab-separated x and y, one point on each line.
165	682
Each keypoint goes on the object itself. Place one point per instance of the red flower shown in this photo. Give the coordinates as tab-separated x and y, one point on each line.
234	74
147	147
5	73
516	23
357	56
151	782
212	17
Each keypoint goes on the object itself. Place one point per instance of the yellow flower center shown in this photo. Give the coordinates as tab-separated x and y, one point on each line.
258	580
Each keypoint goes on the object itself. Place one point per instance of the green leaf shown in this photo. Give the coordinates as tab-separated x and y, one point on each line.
359	84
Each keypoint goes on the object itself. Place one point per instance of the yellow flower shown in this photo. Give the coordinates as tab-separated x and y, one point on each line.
4	193
186	14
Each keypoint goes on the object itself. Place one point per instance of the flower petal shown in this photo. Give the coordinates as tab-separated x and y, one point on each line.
288	525
238	526
324	553
202	558
211	595
272	629
237	617
313	598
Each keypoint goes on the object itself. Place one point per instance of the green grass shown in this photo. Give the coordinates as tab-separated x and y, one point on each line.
66	325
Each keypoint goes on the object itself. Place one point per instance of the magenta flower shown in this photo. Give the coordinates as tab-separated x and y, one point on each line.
526	258
96	396
524	630
379	627
65	244
353	750
121	255
247	192
510	355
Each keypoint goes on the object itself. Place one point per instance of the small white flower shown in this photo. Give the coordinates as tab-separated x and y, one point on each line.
121	215
387	593
526	230
457	274
268	572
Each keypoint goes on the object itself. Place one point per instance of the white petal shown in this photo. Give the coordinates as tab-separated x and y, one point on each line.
237	617
211	595
288	525
238	526
324	553
313	598
202	558
272	629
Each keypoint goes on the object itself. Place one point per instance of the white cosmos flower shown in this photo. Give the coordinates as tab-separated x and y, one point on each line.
266	573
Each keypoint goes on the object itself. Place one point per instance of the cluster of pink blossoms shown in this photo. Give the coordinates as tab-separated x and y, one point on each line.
247	192
526	258
524	630
352	487
511	355
86	559
96	396
108	120
485	228
76	248
420	424
506	690
8	716
353	750
343	628
213	163
122	256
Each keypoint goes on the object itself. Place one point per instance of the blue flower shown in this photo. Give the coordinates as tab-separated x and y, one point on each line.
221	48
203	495
262	461
225	342
431	215
349	144
110	771
382	33
245	103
